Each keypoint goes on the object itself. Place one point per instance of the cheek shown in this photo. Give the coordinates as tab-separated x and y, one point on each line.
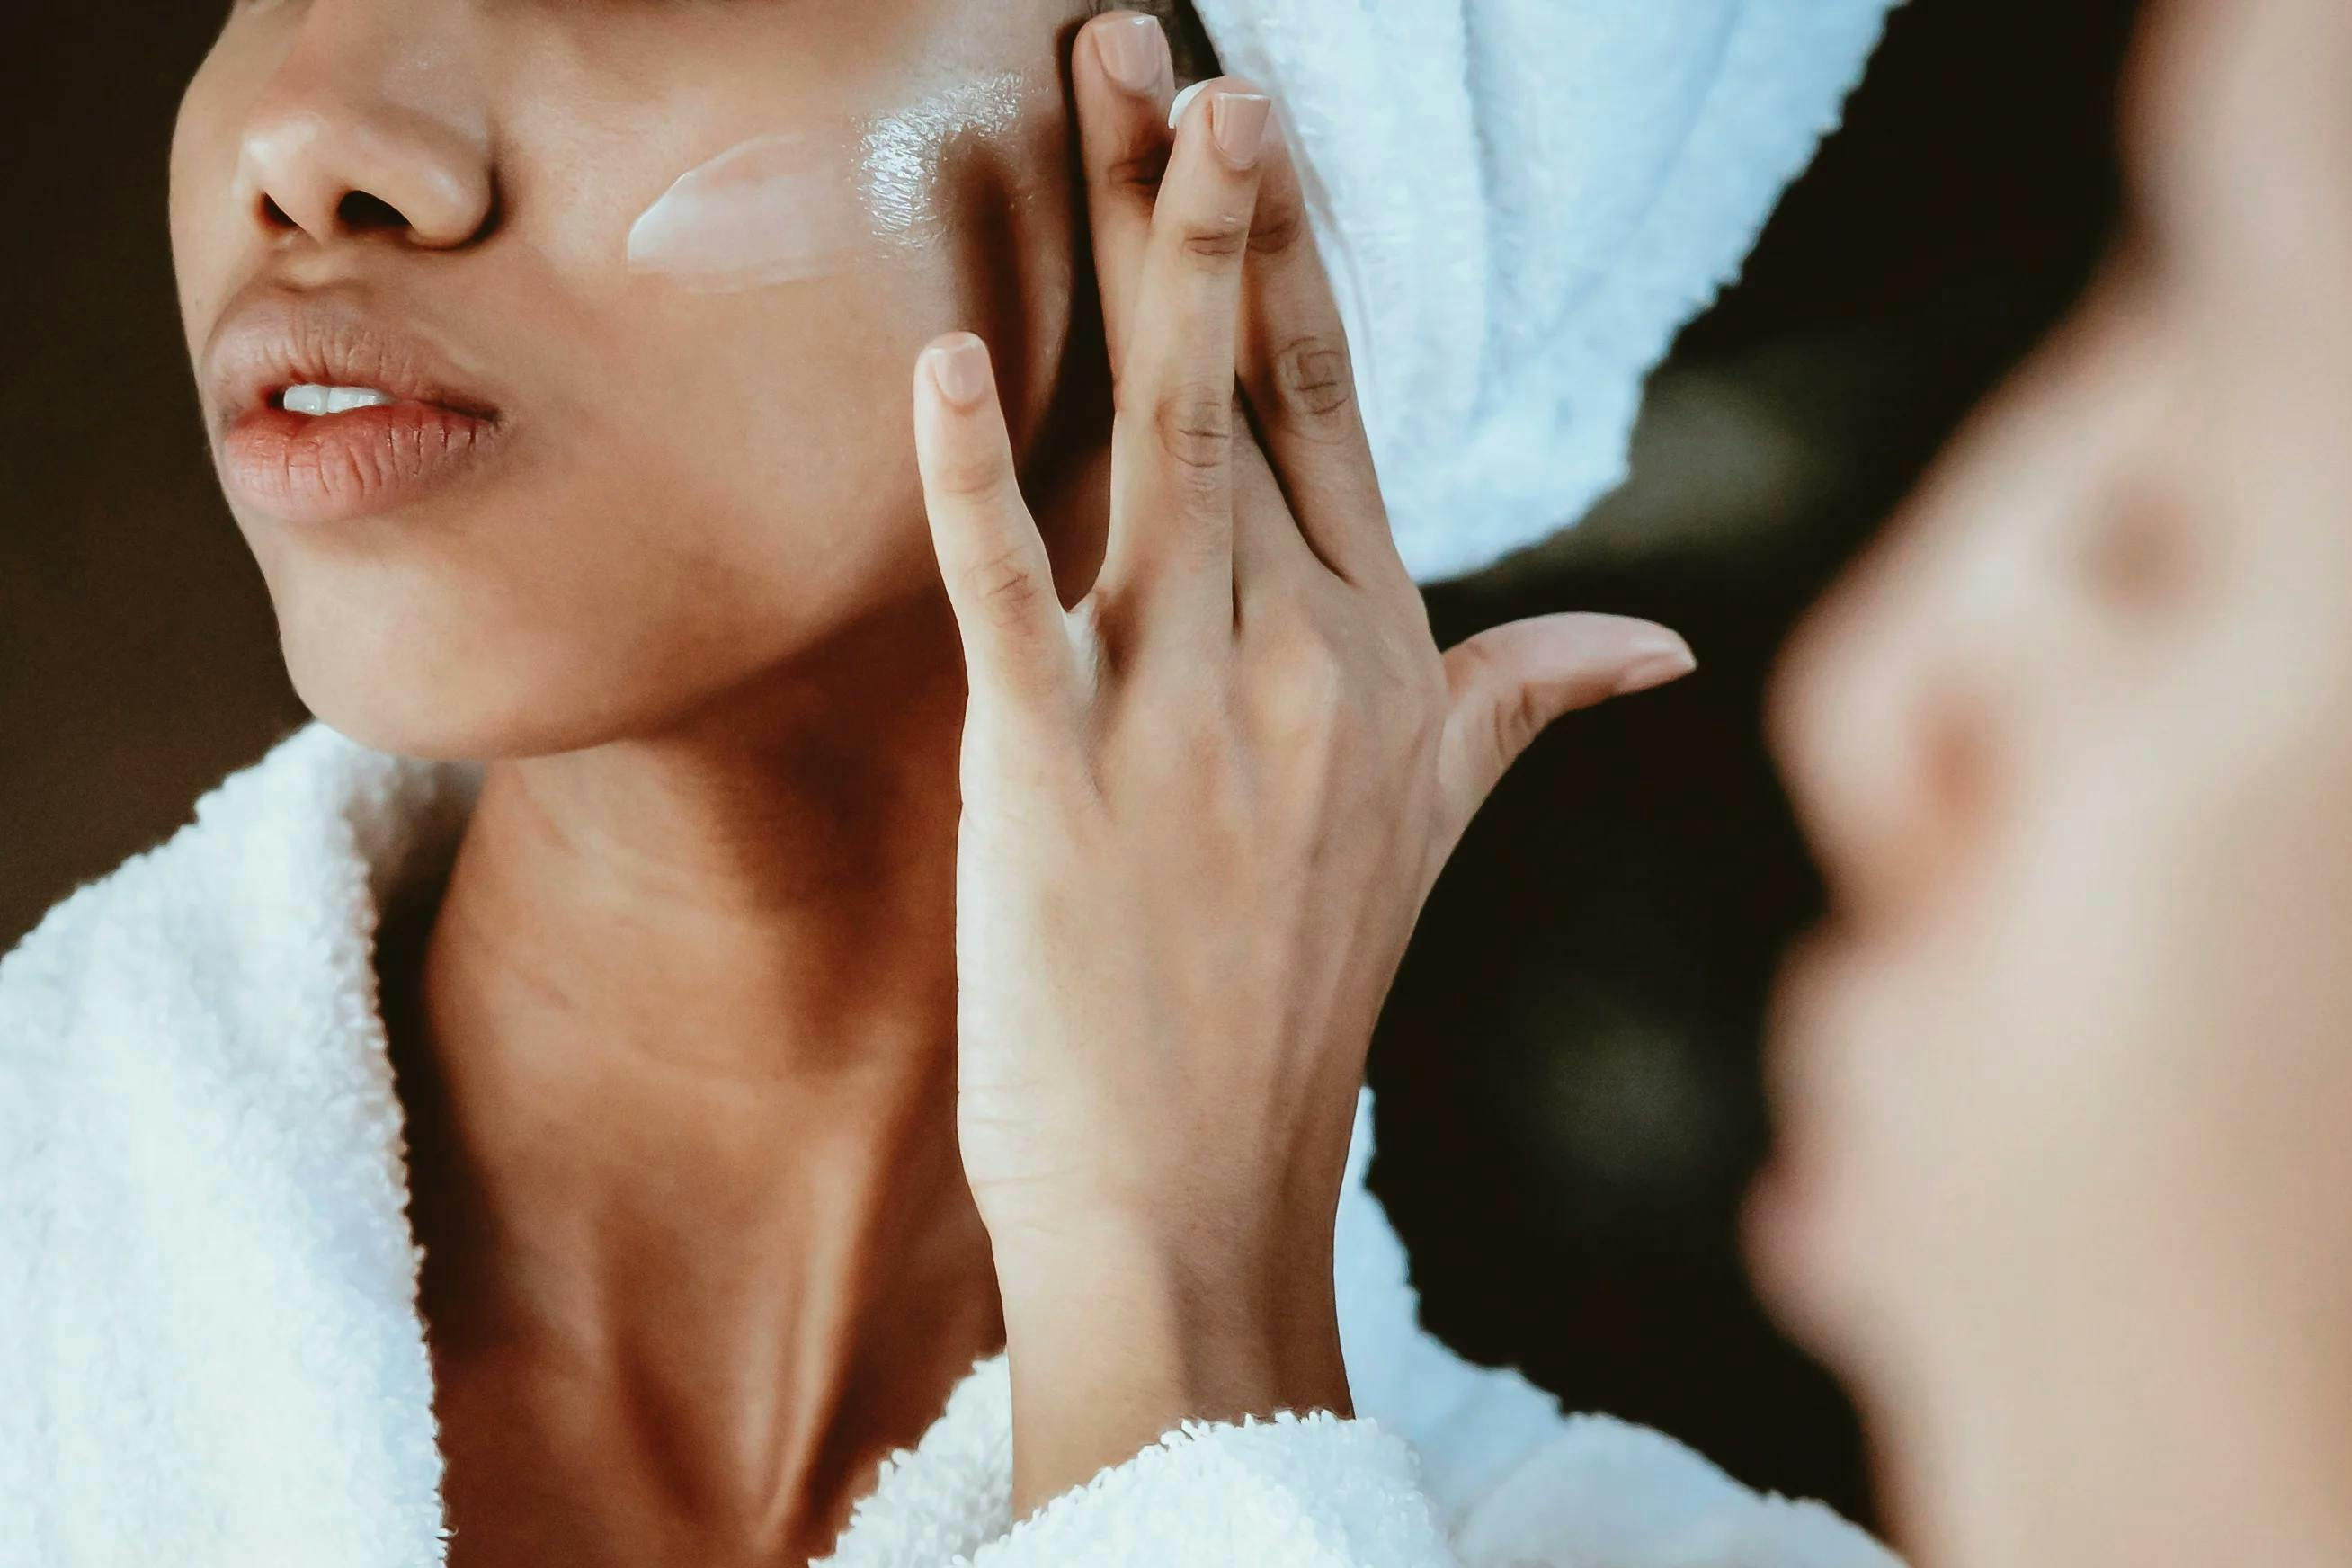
773	427
207	234
710	484
1946	1093
700	484
775	421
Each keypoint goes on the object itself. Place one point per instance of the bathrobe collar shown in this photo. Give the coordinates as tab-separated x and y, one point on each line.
216	1356
210	1011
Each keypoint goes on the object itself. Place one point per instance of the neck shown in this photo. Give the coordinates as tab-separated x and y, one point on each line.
685	1117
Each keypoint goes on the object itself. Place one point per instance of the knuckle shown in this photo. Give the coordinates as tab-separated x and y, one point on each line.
1313	377
1281	228
1137	174
1195	426
1303	684
1317	693
971	478
1004	585
1217	241
1187	738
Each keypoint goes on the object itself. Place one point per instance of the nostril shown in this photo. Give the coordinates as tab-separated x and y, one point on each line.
274	216
360	213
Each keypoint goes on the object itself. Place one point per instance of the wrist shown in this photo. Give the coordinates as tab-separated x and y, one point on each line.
1236	1333
1185	1290
1118	1336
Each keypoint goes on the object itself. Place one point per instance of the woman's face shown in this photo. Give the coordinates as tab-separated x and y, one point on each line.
2064	1082
602	496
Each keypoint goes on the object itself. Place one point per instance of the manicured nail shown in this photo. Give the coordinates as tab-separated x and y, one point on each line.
1184	101
1134	50
1239	121
1654	671
959	370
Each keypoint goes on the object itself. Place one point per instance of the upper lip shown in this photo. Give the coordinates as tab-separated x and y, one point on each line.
274	340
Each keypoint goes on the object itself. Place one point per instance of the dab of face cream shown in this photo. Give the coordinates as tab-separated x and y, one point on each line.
775	209
789	207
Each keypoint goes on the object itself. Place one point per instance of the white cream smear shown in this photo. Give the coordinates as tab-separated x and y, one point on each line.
788	208
775	209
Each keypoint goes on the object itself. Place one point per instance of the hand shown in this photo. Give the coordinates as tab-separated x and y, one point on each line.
1201	809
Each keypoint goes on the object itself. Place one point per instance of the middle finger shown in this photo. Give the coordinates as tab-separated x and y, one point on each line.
1171	520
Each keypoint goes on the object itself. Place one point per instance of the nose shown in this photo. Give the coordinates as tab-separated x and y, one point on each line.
365	130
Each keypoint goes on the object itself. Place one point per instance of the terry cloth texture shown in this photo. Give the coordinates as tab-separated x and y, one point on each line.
214	1357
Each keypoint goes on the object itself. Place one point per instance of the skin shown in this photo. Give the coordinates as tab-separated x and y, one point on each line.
820	997
2062	1082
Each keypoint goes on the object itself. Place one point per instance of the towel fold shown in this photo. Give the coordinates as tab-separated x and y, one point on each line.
1521	203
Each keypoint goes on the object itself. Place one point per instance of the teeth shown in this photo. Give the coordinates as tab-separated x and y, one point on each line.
313	399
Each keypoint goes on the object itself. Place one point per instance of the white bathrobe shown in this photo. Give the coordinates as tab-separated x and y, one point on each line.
211	1354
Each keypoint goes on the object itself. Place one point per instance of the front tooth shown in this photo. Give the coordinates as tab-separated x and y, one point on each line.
342	399
308	398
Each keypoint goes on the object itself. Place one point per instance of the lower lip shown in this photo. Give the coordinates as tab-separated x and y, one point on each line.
331	467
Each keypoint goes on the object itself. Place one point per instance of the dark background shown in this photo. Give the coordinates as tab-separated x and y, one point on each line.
1568	1110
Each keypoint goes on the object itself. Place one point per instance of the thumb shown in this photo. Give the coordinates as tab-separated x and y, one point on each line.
1509	685
1015	635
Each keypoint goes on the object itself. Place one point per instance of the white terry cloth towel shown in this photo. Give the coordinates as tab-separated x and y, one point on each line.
213	1355
1521	202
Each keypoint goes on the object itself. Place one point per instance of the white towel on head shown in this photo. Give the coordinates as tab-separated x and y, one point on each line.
1521	202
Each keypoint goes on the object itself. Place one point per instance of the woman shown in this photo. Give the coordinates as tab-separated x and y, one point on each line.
705	1011
2064	1082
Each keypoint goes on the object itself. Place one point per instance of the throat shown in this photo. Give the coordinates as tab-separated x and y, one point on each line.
682	1323
552	1457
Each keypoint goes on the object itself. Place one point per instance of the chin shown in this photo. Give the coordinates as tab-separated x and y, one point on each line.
420	719
396	686
1797	1234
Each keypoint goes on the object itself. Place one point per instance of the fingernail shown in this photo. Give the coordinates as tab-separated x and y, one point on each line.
959	370
1239	121
1184	101
1654	671
1134	50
